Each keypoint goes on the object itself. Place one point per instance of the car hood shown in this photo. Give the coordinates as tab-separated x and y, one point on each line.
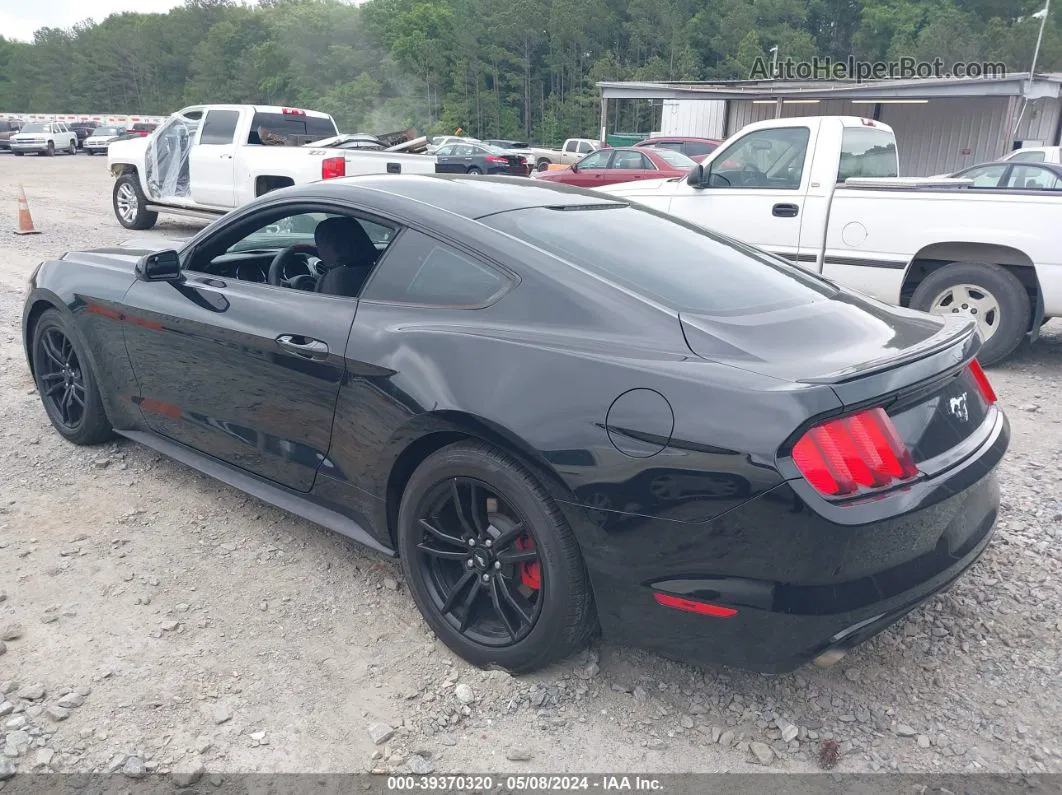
126	253
131	150
826	340
644	187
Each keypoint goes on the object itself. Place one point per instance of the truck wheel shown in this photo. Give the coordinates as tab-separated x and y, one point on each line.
50	151
130	203
990	294
72	149
543	164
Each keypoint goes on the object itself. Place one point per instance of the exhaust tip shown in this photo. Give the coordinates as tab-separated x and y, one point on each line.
830	657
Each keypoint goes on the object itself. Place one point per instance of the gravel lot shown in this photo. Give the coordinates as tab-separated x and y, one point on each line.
155	620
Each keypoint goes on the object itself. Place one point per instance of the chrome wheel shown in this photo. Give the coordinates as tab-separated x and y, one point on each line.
127	203
972	300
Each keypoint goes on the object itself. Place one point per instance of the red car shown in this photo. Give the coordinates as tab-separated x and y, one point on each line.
694	148
625	164
142	129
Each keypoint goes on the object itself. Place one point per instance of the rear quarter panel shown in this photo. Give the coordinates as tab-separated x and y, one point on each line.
873	235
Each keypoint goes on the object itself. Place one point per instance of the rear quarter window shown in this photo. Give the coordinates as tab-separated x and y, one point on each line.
421	270
866	152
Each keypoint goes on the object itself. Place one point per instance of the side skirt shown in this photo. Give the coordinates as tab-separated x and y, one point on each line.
282	498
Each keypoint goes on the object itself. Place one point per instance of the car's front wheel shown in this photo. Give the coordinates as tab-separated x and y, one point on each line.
130	204
491	561
66	383
72	149
50	150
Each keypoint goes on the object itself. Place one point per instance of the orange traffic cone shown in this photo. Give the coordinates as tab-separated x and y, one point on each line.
25	220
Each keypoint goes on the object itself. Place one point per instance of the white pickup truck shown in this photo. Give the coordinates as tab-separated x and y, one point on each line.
822	192
574	150
208	159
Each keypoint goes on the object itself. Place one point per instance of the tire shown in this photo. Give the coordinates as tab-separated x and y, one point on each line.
474	171
555	594
941	291
50	152
72	149
543	164
19	154
89	425
129	202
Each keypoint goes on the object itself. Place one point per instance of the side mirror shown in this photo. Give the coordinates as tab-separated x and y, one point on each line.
695	178
574	166
161	266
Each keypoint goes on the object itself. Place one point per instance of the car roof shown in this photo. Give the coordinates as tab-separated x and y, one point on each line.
1054	167
472	197
683	138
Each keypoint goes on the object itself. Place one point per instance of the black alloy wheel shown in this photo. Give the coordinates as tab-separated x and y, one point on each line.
66	383
61	376
491	561
480	564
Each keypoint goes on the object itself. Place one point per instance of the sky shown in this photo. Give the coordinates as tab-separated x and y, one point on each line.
18	19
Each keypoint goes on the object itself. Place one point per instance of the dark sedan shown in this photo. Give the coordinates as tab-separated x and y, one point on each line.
558	409
479	159
1010	175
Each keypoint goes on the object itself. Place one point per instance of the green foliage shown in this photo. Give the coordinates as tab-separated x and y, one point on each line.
510	70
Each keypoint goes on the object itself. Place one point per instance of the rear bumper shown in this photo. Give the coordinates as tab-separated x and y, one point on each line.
801	584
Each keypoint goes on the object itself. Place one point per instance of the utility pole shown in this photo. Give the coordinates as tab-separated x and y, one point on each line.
774	58
1042	16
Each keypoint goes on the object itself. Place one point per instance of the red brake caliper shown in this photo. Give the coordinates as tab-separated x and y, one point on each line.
530	573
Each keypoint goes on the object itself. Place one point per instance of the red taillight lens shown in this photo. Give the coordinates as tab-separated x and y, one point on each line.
690	606
987	392
332	167
496	159
841	456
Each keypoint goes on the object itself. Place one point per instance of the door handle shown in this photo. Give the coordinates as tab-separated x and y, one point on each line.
307	347
226	157
785	210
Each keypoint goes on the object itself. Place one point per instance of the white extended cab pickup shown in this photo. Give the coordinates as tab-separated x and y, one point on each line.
206	160
822	192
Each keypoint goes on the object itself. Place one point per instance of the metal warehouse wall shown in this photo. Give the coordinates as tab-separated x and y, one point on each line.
704	118
1040	122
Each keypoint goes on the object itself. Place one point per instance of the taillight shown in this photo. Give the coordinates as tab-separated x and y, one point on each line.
496	159
987	392
860	451
332	167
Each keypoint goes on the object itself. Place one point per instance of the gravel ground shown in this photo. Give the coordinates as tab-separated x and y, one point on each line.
155	620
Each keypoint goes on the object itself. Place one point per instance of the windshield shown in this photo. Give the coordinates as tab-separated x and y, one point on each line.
679	265
673	158
105	131
37	127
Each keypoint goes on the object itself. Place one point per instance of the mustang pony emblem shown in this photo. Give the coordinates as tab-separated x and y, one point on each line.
957	406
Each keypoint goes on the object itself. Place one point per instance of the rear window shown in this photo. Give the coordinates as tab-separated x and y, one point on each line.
676	159
866	152
695	148
294	129
674	263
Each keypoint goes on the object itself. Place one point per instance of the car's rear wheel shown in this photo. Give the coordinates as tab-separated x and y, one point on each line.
542	165
990	294
130	204
72	149
474	170
65	382
492	564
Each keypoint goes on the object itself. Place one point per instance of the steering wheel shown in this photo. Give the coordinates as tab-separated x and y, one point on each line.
278	267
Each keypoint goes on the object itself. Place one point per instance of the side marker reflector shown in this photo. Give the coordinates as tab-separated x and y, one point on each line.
690	606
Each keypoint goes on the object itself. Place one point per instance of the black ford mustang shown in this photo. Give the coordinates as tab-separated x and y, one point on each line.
560	410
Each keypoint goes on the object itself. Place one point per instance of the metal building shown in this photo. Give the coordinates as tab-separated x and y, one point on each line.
941	124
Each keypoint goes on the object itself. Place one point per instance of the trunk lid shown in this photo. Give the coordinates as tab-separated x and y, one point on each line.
915	366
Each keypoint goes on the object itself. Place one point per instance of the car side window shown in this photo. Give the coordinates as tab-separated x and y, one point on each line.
219	127
631	160
1028	157
1032	178
421	270
596	160
985	176
445	151
763	159
584	147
